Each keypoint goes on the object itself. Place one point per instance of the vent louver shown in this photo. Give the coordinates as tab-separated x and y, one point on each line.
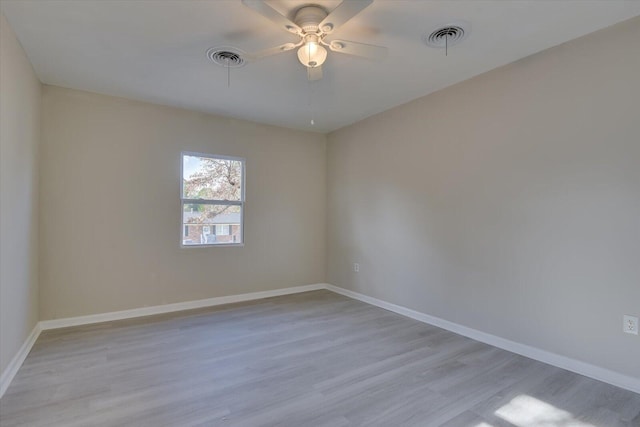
226	57
446	36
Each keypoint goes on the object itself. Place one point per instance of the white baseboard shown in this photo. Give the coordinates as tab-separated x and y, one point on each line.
582	368
601	374
168	308
12	369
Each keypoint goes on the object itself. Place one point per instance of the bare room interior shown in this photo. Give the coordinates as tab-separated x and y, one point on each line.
325	213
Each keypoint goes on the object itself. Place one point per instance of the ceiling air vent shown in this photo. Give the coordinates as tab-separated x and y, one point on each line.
447	35
226	57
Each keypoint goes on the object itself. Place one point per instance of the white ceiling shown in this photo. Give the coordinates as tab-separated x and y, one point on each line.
154	51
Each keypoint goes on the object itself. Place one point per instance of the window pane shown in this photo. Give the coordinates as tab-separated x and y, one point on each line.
211	224
211	179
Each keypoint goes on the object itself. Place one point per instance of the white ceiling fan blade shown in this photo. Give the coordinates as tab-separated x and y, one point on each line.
273	15
271	51
358	49
314	73
341	14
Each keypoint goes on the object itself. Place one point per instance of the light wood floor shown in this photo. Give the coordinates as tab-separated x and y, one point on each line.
313	359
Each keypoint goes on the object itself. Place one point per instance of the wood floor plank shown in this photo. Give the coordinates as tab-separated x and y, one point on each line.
316	359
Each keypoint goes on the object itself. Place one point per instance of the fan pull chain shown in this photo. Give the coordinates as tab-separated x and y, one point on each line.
446	45
310	96
226	60
309	86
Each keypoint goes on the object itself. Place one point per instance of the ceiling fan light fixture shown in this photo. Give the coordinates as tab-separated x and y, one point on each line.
312	54
312	23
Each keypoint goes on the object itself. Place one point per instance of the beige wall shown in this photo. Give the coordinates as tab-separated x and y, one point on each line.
19	141
110	222
509	203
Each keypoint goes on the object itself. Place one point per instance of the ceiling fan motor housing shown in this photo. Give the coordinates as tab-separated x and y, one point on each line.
308	18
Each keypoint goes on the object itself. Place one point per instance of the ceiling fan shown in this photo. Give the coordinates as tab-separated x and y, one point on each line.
312	23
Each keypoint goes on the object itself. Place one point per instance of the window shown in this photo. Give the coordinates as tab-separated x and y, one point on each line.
212	196
222	229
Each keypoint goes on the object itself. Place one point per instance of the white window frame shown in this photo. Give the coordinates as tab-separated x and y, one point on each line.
240	202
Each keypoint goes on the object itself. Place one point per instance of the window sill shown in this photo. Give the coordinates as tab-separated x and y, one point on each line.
219	245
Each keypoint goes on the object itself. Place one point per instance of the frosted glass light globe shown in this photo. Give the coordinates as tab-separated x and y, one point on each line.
312	55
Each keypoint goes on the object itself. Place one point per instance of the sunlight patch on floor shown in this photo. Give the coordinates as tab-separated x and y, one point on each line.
527	411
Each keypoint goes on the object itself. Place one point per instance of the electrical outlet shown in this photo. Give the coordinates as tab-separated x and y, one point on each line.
356	267
630	324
